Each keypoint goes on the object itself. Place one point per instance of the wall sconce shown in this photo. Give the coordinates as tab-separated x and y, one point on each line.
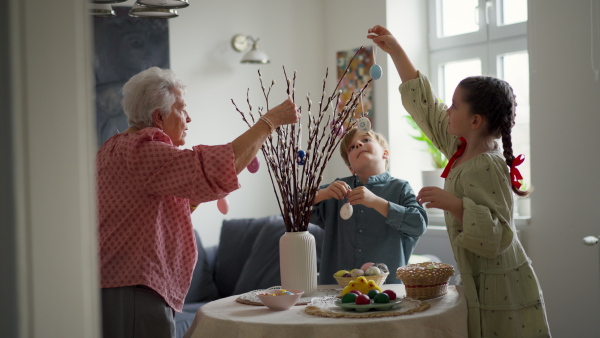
140	11
241	43
101	11
168	4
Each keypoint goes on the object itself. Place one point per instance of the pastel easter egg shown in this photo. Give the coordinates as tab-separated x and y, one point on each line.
372	271
346	211
337	128
375	72
223	206
363	124
365	266
357	273
254	165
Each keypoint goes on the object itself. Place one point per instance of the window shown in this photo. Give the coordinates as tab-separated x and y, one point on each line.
478	37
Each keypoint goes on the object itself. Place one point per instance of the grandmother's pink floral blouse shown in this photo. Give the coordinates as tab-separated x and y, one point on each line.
145	185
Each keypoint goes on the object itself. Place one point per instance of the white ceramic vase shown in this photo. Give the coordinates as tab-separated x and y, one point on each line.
298	261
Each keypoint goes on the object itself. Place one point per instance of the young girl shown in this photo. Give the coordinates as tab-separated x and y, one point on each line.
387	220
503	294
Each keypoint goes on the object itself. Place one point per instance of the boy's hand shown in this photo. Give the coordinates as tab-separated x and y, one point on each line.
366	197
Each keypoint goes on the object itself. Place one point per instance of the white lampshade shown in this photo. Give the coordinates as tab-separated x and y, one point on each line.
255	56
101	11
107	1
147	12
164	3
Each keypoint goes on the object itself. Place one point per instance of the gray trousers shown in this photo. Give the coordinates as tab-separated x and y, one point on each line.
136	312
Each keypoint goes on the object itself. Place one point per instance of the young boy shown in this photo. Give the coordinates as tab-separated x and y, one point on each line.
386	222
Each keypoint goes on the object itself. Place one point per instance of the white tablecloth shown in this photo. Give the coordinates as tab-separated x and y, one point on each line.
224	318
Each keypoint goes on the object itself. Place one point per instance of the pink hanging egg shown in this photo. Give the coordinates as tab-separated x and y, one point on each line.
254	165
365	266
223	206
337	128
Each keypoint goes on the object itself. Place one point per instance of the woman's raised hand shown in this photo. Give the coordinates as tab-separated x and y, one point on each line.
284	113
384	39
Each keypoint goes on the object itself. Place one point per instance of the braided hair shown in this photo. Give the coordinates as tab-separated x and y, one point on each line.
494	100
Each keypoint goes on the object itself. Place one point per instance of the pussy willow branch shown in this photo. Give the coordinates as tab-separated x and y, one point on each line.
295	188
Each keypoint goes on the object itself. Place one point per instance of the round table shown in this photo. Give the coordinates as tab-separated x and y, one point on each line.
224	318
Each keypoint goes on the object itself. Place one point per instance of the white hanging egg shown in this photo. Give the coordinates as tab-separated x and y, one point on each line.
346	211
363	124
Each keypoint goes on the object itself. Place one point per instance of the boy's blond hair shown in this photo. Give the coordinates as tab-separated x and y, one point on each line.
350	135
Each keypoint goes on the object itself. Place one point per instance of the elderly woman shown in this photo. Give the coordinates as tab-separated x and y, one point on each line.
147	188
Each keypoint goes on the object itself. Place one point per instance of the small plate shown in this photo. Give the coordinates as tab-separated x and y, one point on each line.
367	307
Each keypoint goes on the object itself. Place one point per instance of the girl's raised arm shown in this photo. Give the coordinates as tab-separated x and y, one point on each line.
388	43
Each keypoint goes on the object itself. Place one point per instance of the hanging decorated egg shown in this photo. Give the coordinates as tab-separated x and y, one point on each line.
375	72
337	128
301	157
254	165
346	211
223	206
363	124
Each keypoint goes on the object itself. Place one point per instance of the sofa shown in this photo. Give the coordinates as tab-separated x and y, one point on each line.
246	259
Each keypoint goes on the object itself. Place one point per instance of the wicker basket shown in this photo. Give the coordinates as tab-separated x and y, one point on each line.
378	279
422	281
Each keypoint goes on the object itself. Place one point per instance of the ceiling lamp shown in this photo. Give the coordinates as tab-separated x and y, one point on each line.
241	43
140	11
169	4
107	1
101	11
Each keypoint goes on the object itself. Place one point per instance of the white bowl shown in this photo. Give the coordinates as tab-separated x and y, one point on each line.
281	302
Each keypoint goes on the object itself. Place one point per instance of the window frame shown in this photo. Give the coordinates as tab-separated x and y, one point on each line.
497	41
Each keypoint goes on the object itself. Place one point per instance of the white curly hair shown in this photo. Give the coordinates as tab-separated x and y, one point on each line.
151	89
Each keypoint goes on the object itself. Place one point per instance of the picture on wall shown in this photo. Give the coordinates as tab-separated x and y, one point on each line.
123	47
357	77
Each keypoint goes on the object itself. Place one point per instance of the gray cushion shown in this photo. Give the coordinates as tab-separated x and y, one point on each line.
236	241
262	267
202	288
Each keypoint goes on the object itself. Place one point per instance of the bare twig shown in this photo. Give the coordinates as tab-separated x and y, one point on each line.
295	188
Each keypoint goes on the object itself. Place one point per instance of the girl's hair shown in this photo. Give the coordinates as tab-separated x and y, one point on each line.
494	100
350	135
151	89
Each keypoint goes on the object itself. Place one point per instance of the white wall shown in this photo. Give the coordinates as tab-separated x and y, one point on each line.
52	115
54	215
291	33
347	22
564	141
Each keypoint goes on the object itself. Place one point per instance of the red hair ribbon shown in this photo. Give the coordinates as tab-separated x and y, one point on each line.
515	174
457	154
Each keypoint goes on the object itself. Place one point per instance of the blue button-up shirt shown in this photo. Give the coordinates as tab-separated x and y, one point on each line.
368	236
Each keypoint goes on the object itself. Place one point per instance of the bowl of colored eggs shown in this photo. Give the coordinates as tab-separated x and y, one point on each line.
279	299
376	272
